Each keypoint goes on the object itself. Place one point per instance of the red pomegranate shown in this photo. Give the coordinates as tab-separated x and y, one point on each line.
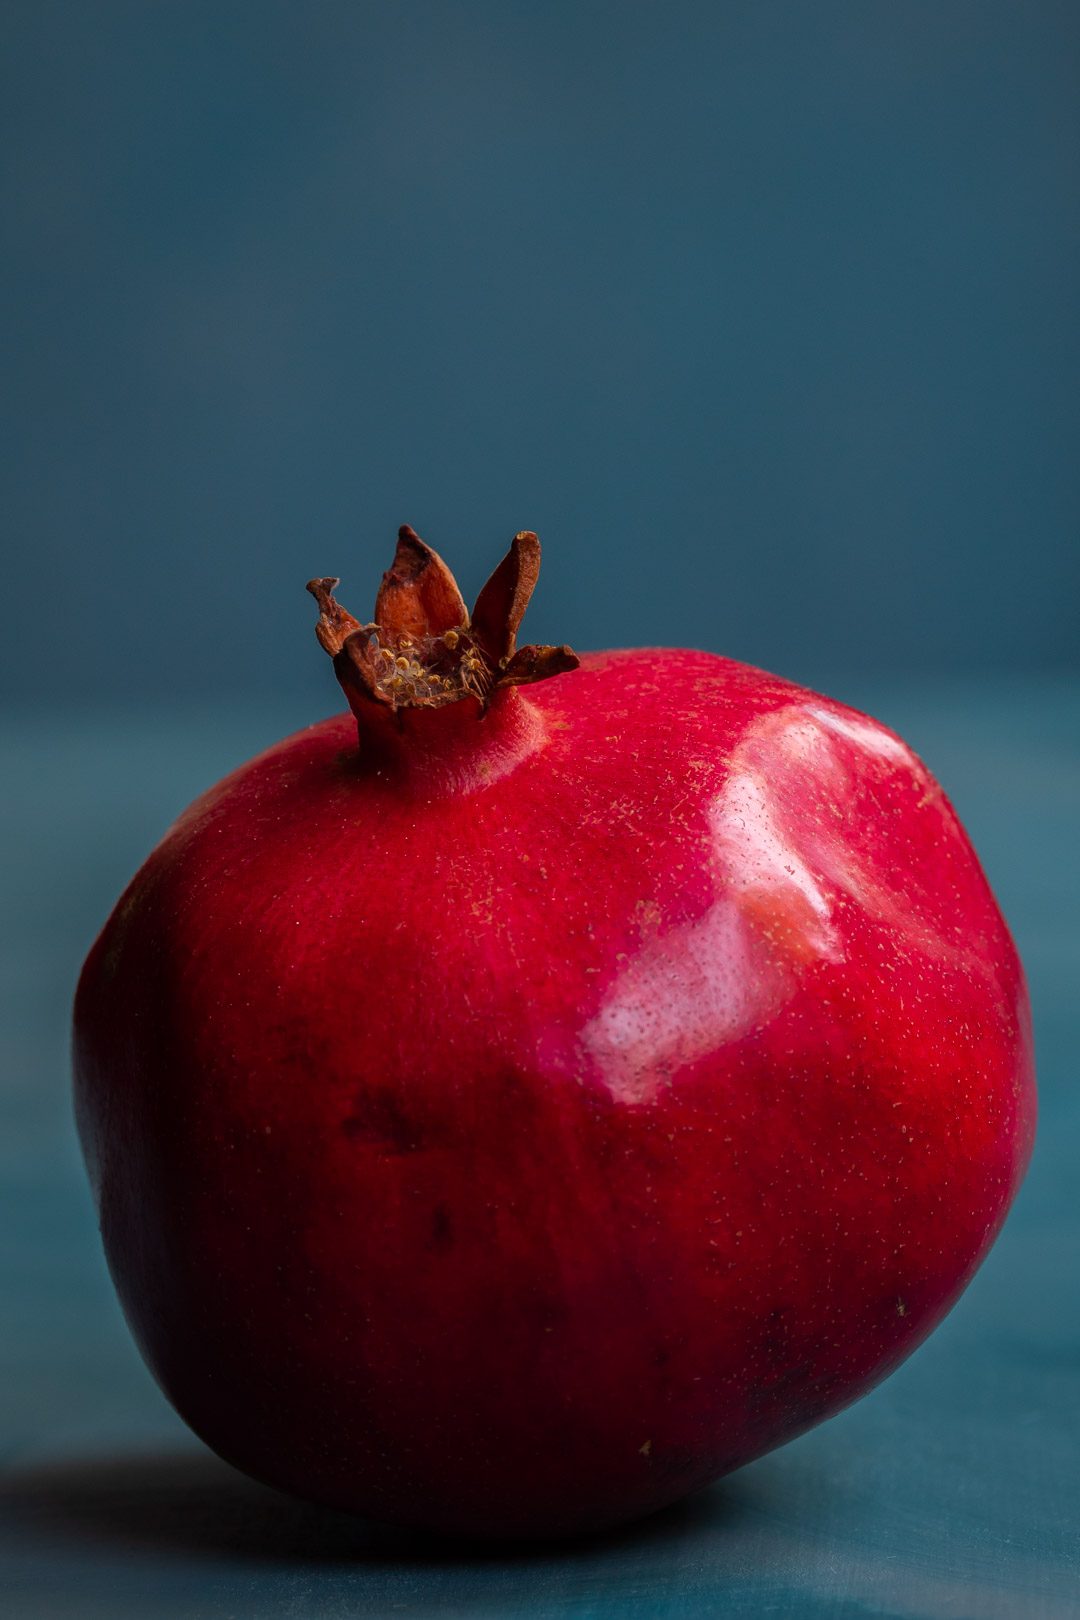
516	1117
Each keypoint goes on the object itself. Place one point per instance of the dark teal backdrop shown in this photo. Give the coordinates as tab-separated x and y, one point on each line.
763	315
766	317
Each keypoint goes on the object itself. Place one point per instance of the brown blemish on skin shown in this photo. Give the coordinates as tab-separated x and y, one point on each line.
379	1118
442	1230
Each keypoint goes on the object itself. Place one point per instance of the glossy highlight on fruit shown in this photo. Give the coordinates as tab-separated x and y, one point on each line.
520	1100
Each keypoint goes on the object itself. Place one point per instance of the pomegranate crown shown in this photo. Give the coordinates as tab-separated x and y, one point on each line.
423	649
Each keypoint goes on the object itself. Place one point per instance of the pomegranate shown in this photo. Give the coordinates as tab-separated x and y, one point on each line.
588	1078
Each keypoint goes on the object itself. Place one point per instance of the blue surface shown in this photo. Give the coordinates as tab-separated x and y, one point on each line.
952	1493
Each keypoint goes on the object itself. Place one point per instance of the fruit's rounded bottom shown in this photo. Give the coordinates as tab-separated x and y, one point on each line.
540	1523
506	1498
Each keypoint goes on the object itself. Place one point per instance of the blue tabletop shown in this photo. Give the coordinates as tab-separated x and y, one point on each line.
952	1491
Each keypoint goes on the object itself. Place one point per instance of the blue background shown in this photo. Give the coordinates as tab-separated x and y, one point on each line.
763	315
766	317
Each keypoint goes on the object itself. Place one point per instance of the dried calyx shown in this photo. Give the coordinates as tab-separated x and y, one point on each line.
423	649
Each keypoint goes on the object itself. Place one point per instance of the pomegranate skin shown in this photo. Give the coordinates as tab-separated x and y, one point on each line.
511	1134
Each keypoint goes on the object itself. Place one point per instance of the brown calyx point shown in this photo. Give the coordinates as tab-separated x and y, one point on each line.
423	650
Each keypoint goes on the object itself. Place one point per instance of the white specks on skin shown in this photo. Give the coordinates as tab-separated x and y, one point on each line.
687	990
864	733
699	984
782	878
757	857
